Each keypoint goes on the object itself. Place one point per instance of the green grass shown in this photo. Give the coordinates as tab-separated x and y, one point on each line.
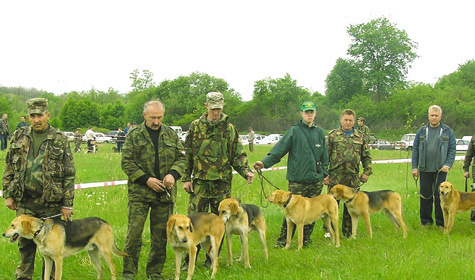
426	253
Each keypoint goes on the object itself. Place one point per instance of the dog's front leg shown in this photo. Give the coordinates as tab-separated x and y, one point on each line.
58	266
48	267
178	257
192	259
300	233
290	229
450	223
354	225
229	245
367	221
245	248
446	219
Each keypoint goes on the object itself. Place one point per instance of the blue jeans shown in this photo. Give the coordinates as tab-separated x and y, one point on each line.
429	191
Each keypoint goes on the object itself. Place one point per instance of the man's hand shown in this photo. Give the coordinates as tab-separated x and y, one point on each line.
466	175
169	181
250	177
155	184
326	180
10	203
67	213
364	178
445	169
188	187
415	172
258	165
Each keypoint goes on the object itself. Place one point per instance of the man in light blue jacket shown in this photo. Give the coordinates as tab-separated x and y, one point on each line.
433	155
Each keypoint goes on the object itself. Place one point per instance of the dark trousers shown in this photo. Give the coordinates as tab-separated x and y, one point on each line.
472	214
3	141
430	199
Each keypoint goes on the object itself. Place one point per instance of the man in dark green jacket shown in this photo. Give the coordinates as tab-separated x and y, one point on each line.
153	159
307	162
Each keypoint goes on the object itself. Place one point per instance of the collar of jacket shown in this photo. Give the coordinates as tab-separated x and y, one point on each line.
302	123
204	118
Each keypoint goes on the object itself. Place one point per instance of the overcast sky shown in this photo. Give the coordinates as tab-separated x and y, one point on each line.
61	46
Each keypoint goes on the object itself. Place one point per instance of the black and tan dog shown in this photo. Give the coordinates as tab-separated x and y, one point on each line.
57	239
302	211
364	204
184	233
241	219
454	202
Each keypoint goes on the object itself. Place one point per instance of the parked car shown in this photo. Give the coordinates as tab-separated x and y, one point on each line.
113	135
70	135
399	145
381	145
100	138
183	136
461	145
270	139
372	138
244	139
408	140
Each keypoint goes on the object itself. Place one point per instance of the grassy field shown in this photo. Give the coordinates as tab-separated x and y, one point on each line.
426	253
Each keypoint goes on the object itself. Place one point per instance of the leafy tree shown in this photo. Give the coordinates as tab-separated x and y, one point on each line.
383	53
344	81
79	112
279	102
142	81
113	115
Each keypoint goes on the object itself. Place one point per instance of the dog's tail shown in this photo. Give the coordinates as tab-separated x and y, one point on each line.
118	252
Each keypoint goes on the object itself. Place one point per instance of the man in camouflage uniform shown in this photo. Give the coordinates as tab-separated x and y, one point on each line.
213	148
469	155
347	147
39	176
307	162
77	140
362	127
153	160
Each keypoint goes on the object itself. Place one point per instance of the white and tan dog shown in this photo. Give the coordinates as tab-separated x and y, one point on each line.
57	239
302	211
454	202
184	233
241	219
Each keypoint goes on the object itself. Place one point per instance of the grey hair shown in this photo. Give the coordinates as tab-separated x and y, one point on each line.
435	108
348	112
154	102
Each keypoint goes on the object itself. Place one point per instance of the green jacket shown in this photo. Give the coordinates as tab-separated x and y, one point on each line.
213	149
308	155
346	153
469	155
58	171
138	159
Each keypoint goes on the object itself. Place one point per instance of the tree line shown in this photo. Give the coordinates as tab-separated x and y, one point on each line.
371	81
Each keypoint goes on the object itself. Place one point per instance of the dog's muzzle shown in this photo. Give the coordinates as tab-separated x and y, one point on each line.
13	238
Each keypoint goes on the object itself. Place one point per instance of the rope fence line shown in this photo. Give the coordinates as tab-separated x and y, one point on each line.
124	182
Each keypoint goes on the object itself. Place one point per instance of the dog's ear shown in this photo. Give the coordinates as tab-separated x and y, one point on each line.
339	191
277	197
234	205
26	225
170	224
192	229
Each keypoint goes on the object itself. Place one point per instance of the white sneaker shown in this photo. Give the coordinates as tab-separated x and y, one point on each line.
327	235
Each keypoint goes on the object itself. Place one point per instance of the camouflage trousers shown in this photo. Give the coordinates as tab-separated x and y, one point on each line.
26	247
137	213
306	190
352	181
207	195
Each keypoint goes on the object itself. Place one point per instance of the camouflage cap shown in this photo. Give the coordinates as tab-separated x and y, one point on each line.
215	100
37	105
361	119
307	106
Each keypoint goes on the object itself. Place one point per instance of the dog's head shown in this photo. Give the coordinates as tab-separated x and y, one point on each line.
445	189
279	197
178	228
227	208
342	192
22	226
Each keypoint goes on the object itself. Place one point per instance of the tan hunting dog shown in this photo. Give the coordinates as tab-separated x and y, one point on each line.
302	211
454	202
57	239
184	233
241	219
364	204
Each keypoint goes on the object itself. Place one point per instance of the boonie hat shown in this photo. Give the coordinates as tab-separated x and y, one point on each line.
215	100
37	105
307	106
361	119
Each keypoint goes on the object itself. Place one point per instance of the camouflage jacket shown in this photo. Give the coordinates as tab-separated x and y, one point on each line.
470	154
138	159
365	129
57	165
308	155
346	153
213	149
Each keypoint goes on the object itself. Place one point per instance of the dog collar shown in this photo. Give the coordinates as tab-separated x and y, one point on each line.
288	201
38	231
